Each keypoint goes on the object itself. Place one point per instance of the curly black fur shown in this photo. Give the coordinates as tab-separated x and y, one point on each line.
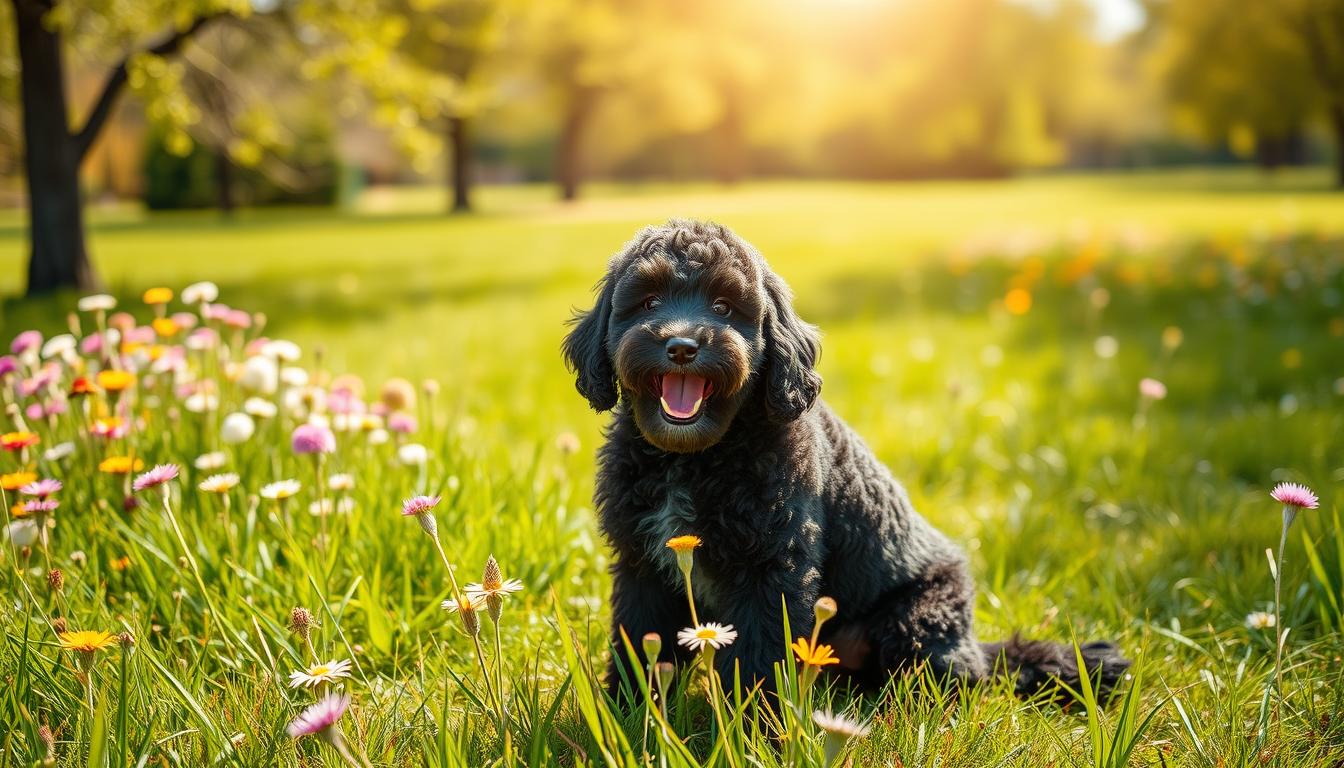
790	503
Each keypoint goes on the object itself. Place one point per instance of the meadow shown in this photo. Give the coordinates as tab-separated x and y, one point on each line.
988	340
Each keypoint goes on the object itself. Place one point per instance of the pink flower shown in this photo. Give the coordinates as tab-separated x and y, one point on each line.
237	318
41	506
155	477
319	718
311	438
1294	495
184	320
1152	389
41	488
8	365
403	423
419	505
34	412
91	344
28	340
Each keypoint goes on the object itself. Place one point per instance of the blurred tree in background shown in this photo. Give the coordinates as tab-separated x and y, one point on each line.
272	101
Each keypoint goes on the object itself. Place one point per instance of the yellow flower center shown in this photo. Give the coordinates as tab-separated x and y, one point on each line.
319	671
706	634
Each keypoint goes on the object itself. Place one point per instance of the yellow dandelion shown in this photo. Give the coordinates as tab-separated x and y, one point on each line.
86	640
115	381
120	465
681	544
158	296
16	480
165	327
814	654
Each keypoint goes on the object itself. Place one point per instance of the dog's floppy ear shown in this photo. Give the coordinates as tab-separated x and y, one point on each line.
585	350
791	351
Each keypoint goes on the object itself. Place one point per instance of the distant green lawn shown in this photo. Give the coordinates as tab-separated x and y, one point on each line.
1022	435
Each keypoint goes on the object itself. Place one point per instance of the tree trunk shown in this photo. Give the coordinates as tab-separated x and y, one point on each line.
56	219
224	182
459	158
569	160
732	160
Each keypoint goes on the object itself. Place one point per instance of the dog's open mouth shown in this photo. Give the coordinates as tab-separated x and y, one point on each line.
683	396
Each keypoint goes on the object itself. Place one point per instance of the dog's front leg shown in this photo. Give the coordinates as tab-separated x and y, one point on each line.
754	603
642	603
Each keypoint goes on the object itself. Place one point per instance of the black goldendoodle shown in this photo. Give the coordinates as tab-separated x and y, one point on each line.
718	432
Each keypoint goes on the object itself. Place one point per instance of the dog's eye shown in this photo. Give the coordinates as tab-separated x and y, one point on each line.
721	308
651	303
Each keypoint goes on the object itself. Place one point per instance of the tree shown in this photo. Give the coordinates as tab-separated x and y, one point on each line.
52	150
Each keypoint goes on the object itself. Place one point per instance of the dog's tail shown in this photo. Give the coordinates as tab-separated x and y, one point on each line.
1040	666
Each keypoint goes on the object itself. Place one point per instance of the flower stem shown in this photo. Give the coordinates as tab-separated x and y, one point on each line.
195	570
1278	621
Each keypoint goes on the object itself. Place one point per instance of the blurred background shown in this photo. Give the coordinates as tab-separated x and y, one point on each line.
414	105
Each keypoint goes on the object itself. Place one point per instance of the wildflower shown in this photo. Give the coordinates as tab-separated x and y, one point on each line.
219	483
41	488
825	609
1172	336
685	546
341	482
201	402
200	293
280	490
814	654
59	451
710	634
839	731
1260	620
155	477
420	507
55	580
280	349
40	507
157	296
112	380
212	460
1152	389
262	409
466	608
58	346
1106	347
16	480
81	386
112	428
301	622
260	374
411	454
15	441
120	465
402	423
26	341
464	603
1295	495
493	588
398	395
653	645
86	643
379	436
22	532
330	672
320	719
165	327
236	428
1017	301
313	439
567	443
344	506
98	302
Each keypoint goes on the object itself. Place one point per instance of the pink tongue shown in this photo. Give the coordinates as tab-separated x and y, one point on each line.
682	394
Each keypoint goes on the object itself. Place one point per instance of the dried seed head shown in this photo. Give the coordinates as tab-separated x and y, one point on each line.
471	621
492	579
666	672
126	639
825	608
55	580
301	622
59	624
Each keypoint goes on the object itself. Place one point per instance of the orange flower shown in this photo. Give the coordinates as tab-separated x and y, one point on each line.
19	510
158	296
115	381
1018	301
121	563
13	441
16	480
164	327
120	465
813	654
681	544
81	386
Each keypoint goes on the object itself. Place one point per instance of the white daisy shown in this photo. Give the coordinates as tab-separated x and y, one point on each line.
329	672
839	725
219	483
280	489
341	482
452	606
413	454
280	349
1260	620
262	409
212	460
196	293
504	589
59	451
98	302
710	633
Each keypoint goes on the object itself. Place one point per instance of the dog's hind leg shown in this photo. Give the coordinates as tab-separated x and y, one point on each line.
929	622
1039	665
640	604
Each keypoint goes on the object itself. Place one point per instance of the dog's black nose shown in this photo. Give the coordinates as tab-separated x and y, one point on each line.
681	350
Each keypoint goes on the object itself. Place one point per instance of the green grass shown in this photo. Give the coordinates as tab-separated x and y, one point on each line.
1082	518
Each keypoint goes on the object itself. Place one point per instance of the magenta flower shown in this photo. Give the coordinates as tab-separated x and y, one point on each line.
28	340
311	438
155	477
91	344
1295	495
319	718
238	318
8	365
41	506
41	488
